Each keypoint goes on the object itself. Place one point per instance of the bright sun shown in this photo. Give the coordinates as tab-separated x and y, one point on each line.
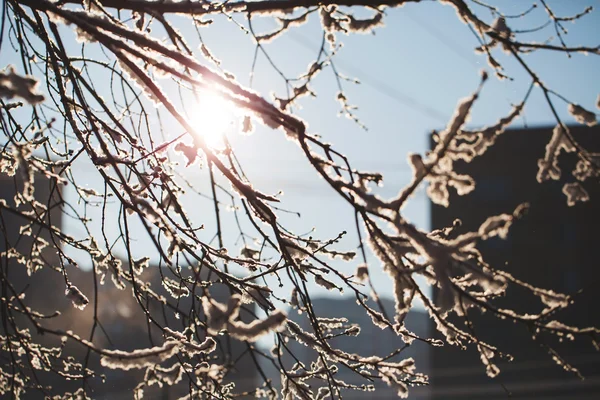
212	117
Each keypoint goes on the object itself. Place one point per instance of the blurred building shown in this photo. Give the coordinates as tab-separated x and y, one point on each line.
47	193
371	341
122	323
554	246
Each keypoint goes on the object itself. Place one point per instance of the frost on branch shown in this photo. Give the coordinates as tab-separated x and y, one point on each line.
585	169
247	126
114	132
362	272
553	299
496	226
190	152
471	144
143	358
140	265
250	253
319	280
500	28
133	76
486	355
582	115
365	25
225	317
548	166
78	299
284	25
177	289
334	20
438	169
575	193
160	376
148	358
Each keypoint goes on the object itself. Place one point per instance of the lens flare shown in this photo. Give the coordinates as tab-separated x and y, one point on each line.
212	117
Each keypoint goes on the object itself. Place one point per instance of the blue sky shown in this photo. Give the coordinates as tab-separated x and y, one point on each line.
413	72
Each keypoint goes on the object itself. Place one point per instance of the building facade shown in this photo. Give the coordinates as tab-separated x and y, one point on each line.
371	341
124	325
554	247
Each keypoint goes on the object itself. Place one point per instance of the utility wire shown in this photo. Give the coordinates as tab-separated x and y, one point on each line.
435	32
380	86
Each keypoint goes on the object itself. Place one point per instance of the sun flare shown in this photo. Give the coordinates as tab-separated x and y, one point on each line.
212	117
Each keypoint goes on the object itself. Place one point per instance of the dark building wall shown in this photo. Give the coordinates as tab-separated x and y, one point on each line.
371	341
554	246
124	325
47	193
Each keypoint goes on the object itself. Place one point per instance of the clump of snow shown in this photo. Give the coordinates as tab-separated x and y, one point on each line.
582	115
575	193
78	299
15	85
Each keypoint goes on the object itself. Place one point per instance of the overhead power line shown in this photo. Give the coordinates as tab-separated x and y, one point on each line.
435	32
382	87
